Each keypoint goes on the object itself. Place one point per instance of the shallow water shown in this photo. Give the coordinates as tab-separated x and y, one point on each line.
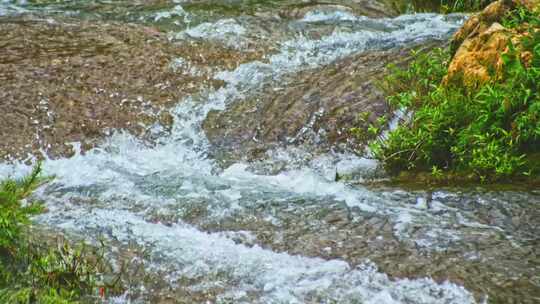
251	233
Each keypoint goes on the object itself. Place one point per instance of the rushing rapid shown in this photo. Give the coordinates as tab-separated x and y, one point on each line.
242	235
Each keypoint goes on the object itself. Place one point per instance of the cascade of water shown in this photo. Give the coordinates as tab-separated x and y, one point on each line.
132	181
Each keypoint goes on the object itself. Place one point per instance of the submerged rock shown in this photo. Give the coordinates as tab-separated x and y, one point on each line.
318	108
72	81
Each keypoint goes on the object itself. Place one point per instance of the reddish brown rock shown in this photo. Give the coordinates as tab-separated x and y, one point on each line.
479	45
479	58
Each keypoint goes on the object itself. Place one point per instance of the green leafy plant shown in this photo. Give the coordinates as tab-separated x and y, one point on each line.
436	172
443	6
522	16
14	217
491	132
368	129
34	271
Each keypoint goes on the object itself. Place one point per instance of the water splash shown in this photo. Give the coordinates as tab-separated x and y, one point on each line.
177	11
277	277
131	179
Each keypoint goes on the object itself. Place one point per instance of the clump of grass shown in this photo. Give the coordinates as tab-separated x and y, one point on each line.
441	6
34	271
491	132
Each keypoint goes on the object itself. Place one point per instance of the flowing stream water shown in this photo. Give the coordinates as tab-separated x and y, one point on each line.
295	235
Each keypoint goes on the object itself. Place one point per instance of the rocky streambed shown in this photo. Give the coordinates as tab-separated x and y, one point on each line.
201	140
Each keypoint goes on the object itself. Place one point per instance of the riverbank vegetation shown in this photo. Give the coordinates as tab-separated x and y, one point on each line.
485	131
442	6
34	270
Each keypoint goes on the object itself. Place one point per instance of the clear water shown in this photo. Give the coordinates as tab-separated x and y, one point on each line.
132	193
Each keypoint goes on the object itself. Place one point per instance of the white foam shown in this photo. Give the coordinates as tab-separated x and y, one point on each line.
336	15
301	182
7	8
276	277
176	11
303	52
226	31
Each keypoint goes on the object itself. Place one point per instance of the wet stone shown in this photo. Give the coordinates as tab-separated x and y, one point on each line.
65	81
481	260
325	100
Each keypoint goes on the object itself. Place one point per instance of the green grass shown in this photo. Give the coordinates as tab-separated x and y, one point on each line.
491	132
33	270
442	6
